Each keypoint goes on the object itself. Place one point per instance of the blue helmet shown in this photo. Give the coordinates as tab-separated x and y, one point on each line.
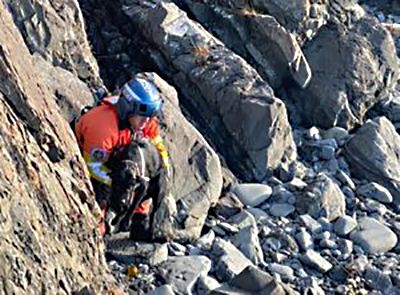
139	97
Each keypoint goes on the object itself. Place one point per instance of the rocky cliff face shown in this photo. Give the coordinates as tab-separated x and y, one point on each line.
301	97
49	240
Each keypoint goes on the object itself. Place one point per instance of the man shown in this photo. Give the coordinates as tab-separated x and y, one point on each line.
106	129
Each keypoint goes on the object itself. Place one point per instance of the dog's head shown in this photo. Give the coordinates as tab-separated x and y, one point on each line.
125	183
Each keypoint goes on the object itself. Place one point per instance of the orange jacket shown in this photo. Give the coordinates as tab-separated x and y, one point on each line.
98	135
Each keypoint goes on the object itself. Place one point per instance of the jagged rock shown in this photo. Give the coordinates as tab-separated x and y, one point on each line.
70	93
345	179
374	153
243	219
344	85
344	225
283	270
323	197
56	31
316	261
305	240
257	37
252	281
373	236
252	194
124	250
375	191
310	223
228	205
290	13
248	242
206	284
206	241
182	273
196	180
49	242
219	87
229	261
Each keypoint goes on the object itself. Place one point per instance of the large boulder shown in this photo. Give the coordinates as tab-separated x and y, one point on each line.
49	242
55	30
374	154
353	73
226	97
257	37
196	176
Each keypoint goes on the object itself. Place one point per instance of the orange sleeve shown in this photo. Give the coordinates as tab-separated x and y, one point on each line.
97	133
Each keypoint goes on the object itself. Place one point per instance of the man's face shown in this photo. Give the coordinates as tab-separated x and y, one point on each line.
138	122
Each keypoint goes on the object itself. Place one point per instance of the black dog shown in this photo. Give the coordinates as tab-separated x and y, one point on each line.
136	176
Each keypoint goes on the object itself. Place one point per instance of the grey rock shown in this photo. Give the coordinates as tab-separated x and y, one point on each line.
69	92
344	225
348	192
338	133
345	246
345	179
327	226
253	281
280	194
316	261
281	210
230	84
310	223
278	257
191	193
228	228
283	270
272	244
162	290
259	215
373	154
52	225
282	58
248	242
328	244
391	110
127	251
375	191
373	236
327	152
183	272
323	197
243	219
229	261
296	184
379	280
325	102
206	241
56	31
305	240
206	284
228	205
252	194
